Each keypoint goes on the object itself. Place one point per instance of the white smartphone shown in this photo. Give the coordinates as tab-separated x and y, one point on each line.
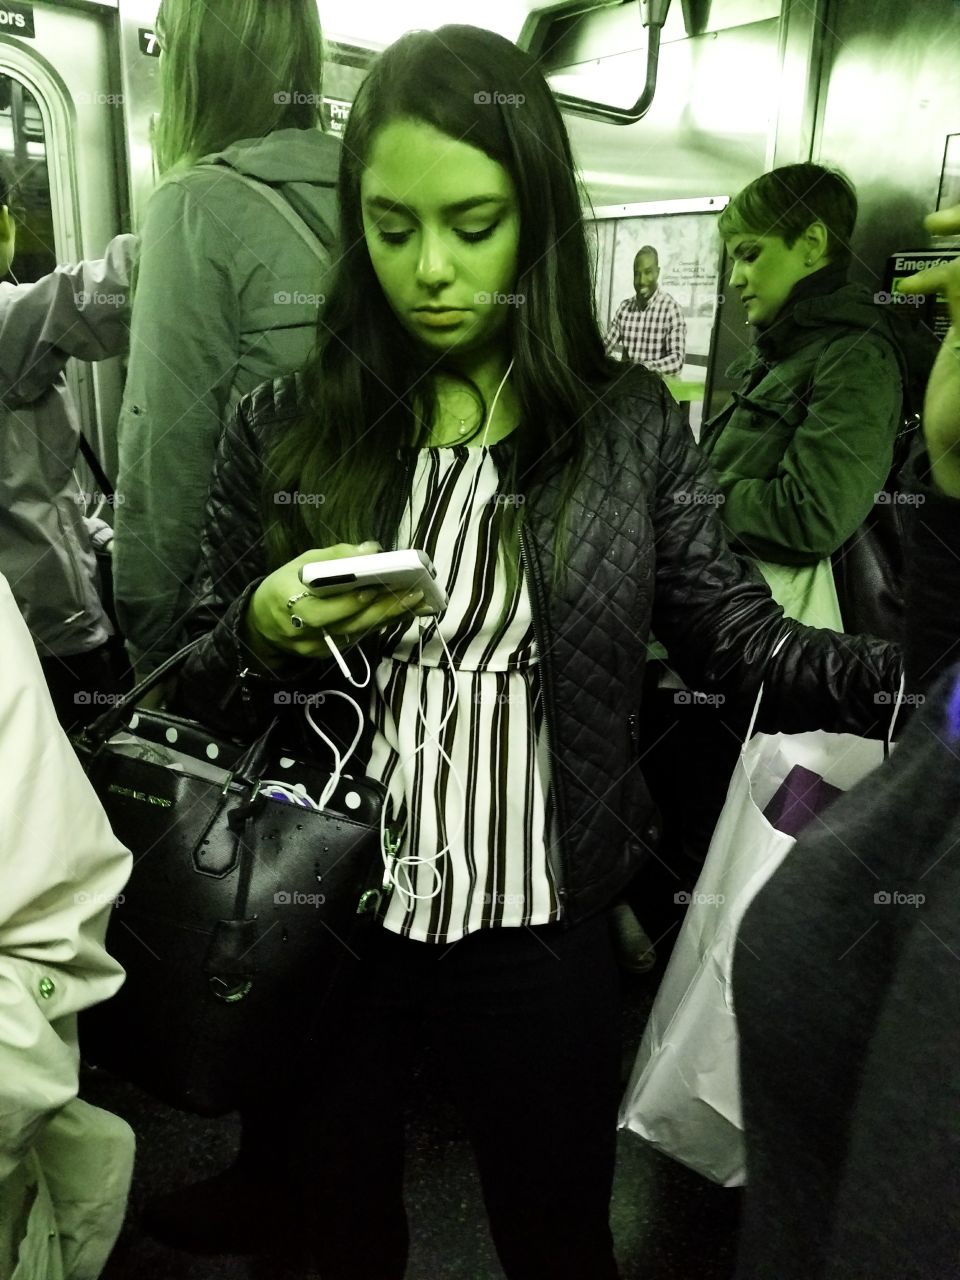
398	571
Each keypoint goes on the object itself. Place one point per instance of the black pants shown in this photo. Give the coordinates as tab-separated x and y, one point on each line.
688	751
525	1023
84	685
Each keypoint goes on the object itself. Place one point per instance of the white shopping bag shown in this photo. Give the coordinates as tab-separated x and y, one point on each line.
684	1094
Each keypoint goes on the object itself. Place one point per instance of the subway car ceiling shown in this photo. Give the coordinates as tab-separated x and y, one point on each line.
740	85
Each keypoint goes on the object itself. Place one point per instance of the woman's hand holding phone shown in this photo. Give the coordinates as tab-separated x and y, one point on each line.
347	617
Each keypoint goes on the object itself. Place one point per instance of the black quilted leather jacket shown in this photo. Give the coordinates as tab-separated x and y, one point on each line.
646	550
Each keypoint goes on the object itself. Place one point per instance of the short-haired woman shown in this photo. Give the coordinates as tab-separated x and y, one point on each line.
806	443
799	455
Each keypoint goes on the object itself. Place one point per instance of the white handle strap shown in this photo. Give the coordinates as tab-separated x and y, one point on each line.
896	711
756	706
283	207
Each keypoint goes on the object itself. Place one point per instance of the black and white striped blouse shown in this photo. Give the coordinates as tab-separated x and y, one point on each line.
495	872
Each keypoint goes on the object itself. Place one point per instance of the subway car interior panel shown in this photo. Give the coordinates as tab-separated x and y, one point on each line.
741	84
705	209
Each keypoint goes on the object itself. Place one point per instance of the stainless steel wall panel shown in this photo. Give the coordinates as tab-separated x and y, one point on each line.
141	90
890	97
70	69
707	131
803	38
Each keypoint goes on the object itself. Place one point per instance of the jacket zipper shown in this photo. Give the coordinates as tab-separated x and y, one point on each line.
546	681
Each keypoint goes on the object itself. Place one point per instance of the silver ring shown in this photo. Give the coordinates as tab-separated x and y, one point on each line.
296	620
293	600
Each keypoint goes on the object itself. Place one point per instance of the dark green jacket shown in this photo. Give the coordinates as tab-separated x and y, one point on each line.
807	441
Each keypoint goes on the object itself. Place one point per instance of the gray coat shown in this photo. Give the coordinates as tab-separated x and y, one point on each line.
227	296
45	550
845	983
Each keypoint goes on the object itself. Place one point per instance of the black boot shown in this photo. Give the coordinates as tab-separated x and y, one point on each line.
235	1211
252	1206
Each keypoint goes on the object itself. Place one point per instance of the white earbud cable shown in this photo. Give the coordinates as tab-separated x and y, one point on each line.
398	871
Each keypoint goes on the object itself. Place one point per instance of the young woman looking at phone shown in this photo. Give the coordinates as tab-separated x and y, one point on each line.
557	536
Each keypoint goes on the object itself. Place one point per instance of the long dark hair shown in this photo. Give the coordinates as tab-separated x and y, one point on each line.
369	387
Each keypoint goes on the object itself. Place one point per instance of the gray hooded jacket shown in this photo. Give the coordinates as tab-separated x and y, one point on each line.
45	550
227	295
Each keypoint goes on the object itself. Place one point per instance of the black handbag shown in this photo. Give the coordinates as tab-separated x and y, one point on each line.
239	909
869	569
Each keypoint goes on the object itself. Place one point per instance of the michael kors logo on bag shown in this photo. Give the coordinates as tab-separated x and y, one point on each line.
142	796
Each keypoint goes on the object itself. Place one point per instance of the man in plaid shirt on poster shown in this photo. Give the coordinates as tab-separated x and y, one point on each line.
650	327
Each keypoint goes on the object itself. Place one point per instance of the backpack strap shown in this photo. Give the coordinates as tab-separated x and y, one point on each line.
93	462
299	224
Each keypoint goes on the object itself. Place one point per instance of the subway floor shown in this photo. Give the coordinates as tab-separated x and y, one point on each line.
668	1223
